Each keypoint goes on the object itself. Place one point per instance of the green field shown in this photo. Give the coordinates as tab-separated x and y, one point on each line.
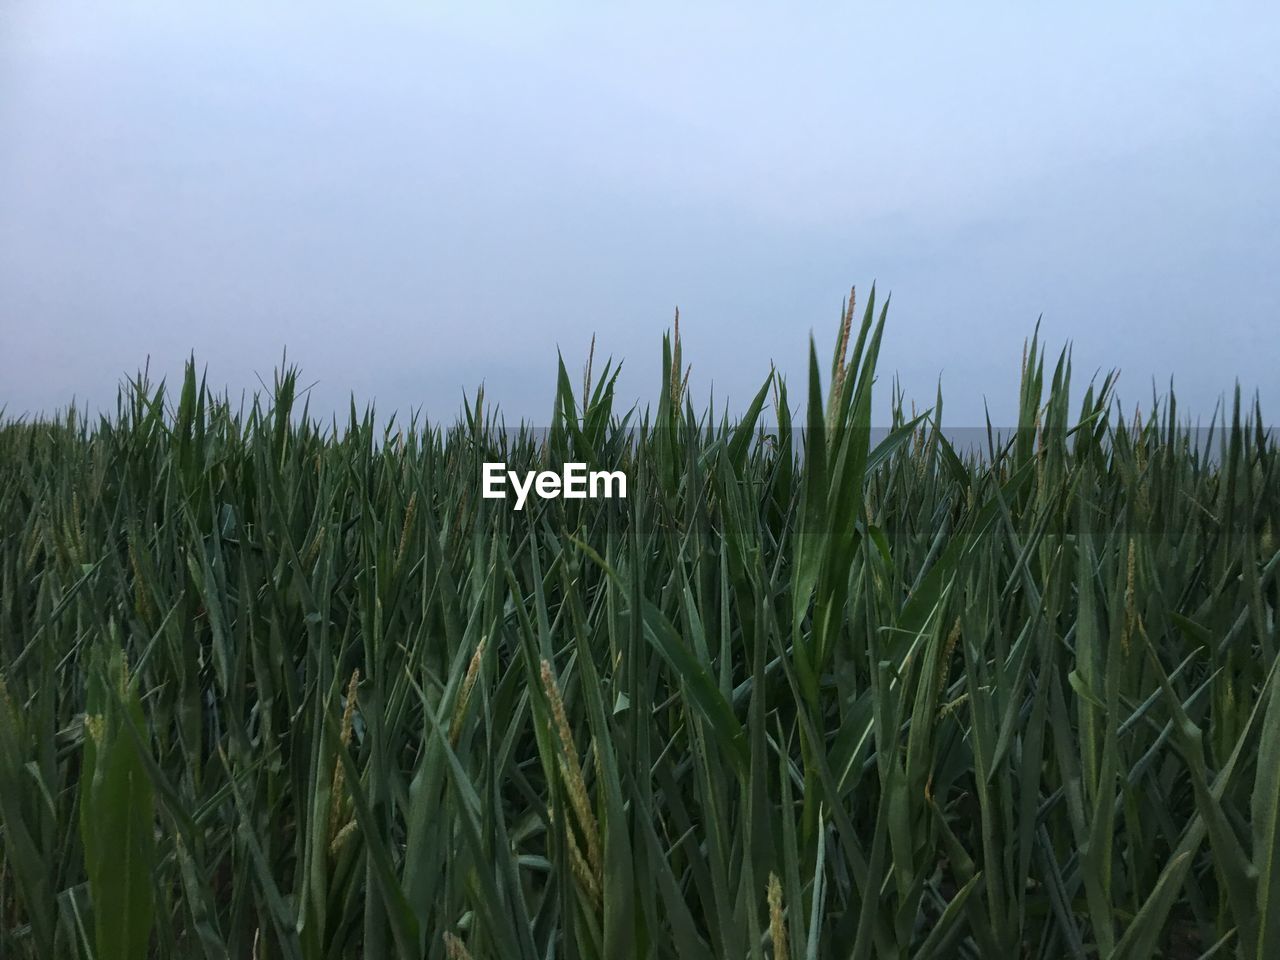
281	688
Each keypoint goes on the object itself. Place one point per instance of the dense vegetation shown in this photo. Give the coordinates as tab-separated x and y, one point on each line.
275	689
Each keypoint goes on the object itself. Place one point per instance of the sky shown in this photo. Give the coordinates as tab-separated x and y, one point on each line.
415	199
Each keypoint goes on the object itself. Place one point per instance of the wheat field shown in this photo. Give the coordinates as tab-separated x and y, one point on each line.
273	687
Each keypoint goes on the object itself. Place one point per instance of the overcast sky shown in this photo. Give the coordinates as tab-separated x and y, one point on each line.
416	199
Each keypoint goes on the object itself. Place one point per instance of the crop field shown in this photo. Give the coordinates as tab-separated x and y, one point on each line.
272	687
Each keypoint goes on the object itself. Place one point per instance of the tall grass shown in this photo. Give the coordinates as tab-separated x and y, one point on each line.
273	689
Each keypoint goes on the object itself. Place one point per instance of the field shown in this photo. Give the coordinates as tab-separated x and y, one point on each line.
277	688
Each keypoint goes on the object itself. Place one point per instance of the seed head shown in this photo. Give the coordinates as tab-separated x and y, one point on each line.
464	695
777	923
454	948
571	770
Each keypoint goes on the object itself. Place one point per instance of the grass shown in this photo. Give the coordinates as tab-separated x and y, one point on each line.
272	689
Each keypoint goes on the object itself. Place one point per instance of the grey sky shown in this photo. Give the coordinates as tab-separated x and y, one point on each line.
415	200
